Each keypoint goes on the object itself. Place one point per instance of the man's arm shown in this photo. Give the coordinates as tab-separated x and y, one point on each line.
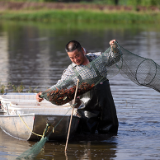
114	54
66	75
114	46
109	57
65	78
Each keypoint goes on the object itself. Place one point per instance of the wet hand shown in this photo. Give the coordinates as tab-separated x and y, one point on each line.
112	42
114	45
77	102
38	98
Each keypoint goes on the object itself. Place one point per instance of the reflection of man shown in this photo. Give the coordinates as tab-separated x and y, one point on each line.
100	112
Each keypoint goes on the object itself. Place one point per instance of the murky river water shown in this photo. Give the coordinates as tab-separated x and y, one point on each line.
33	54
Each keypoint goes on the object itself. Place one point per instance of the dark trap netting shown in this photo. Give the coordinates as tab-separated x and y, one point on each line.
142	71
114	60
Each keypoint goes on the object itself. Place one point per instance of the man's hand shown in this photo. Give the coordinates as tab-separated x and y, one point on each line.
114	45
38	98
112	42
77	102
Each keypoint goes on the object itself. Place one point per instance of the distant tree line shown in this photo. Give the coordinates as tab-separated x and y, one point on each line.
106	2
116	2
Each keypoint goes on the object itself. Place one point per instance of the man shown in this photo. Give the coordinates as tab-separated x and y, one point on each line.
99	113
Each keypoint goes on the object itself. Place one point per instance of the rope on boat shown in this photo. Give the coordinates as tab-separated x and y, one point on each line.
28	127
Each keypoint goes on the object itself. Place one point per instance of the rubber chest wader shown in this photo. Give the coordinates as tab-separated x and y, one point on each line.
99	112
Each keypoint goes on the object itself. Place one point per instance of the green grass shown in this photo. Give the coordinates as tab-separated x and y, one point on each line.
82	16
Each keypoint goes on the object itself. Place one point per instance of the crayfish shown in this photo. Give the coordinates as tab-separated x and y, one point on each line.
62	96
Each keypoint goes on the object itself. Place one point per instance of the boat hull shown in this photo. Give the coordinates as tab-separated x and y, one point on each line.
27	126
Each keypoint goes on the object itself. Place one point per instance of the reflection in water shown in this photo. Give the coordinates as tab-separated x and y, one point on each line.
4	60
11	147
79	150
33	54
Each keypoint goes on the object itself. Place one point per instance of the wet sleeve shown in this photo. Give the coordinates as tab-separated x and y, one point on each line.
113	56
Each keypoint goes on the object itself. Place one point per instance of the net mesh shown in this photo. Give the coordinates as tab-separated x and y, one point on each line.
32	152
141	71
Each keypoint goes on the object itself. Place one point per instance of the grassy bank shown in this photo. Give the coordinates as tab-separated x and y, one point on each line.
76	12
82	16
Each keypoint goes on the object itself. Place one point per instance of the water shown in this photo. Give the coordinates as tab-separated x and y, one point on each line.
33	54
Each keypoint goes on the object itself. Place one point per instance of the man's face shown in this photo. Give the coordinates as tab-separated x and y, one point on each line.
77	57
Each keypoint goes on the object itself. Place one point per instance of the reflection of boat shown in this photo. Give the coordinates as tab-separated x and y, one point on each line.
1	111
23	117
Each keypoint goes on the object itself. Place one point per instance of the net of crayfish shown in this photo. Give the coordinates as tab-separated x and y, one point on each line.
62	96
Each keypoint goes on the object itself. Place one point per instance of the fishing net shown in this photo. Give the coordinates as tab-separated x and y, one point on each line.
89	76
141	71
32	152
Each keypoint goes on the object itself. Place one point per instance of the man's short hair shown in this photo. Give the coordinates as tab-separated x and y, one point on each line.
73	45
